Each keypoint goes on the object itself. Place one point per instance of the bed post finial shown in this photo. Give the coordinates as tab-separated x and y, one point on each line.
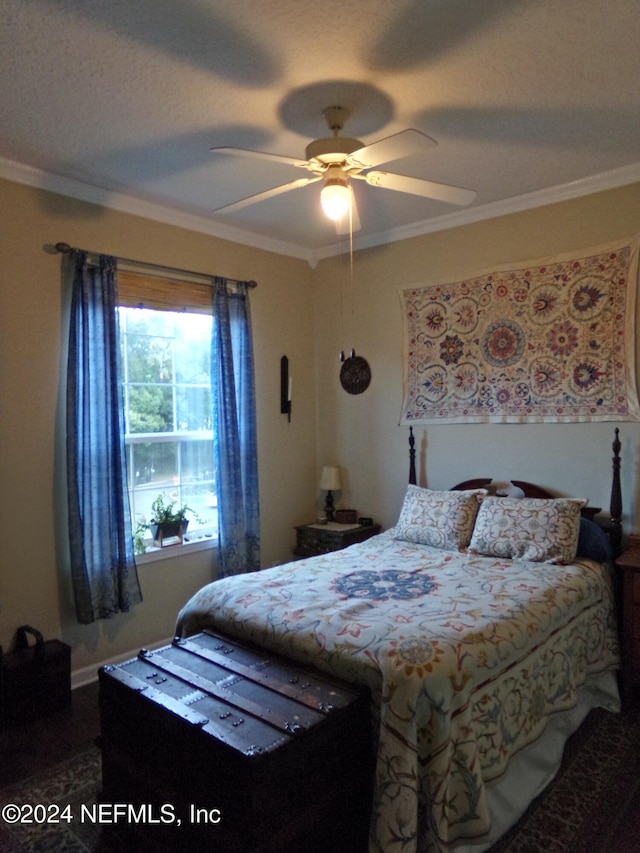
615	508
412	458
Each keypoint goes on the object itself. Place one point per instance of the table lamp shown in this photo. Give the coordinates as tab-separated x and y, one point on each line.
330	482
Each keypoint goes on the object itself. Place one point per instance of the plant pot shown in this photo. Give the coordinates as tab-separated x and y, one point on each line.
169	533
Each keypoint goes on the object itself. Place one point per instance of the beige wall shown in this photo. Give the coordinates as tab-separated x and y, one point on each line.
361	433
31	589
309	315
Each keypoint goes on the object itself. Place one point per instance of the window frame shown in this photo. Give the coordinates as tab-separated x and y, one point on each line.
180	295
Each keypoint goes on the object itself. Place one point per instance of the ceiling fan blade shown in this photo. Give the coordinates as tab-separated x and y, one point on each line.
263	196
394	147
349	224
262	155
418	186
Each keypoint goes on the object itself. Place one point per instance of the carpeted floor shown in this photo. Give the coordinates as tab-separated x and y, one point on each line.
593	806
69	790
54	762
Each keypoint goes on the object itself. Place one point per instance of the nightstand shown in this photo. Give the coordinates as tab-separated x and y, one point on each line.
314	539
628	564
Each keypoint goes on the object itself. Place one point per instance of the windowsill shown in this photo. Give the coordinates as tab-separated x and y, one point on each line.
153	554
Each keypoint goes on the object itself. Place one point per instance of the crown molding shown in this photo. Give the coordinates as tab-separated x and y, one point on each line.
38	178
23	174
516	204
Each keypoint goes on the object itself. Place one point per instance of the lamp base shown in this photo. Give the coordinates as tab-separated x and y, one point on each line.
328	506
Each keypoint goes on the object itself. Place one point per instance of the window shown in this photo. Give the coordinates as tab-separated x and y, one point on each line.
165	340
165	427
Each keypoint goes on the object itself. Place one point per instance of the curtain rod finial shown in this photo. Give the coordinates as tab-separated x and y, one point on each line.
64	248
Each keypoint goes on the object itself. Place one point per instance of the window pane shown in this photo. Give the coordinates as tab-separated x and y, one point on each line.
198	484
156	472
192	349
149	349
155	465
193	408
144	321
197	462
150	409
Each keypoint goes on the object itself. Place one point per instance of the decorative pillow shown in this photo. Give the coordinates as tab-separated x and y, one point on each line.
538	529
593	542
439	519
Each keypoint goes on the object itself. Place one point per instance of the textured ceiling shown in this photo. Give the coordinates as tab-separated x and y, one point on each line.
127	98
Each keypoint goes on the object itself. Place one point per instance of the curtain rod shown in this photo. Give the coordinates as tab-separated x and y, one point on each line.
65	249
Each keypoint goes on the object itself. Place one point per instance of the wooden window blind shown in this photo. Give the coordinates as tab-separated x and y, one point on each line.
137	290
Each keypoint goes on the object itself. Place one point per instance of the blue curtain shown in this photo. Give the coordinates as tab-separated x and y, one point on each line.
234	430
103	570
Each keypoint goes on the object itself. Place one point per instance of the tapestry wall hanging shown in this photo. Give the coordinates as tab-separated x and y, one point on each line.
550	340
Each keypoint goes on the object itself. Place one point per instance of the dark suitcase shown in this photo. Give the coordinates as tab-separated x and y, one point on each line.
36	679
213	744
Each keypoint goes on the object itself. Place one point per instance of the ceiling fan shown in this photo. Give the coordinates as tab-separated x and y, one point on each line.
338	159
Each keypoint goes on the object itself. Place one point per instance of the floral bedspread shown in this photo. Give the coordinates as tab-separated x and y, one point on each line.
465	656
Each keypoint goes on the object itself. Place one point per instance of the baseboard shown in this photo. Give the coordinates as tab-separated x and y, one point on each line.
89	674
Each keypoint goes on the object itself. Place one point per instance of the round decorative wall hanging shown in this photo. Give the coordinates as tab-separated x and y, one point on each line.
355	374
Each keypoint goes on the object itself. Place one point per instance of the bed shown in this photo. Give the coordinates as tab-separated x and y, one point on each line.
484	626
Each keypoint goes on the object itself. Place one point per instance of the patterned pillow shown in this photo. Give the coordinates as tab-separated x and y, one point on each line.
538	529
439	519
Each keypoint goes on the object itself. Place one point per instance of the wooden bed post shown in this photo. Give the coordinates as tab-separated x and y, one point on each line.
412	458
615	508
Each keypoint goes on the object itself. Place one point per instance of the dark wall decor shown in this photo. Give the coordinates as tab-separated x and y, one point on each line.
285	388
355	373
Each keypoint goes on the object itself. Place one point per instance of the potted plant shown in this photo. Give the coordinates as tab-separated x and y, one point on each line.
139	533
167	521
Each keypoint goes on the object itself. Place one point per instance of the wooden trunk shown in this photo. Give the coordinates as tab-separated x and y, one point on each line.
233	749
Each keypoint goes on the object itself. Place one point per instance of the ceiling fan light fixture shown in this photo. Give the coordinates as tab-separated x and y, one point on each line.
335	196
337	160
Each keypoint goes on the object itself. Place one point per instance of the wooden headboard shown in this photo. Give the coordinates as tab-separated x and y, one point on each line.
530	490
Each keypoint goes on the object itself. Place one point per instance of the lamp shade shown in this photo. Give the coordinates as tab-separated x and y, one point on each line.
330	478
335	196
